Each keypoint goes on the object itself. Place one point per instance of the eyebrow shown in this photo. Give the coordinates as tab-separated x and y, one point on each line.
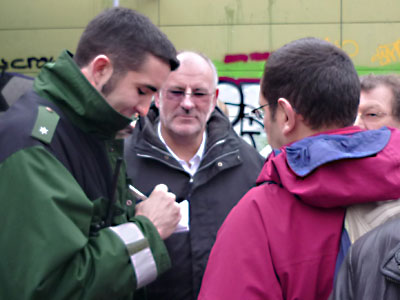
176	87
371	106
195	89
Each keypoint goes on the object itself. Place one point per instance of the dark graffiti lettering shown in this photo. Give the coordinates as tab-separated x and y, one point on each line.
235	94
24	63
39	62
18	63
4	65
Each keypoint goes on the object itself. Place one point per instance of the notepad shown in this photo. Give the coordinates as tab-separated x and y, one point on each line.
183	224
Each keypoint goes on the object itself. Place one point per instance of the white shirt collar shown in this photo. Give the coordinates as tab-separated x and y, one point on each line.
194	162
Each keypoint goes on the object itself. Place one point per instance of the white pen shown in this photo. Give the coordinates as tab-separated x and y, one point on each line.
138	194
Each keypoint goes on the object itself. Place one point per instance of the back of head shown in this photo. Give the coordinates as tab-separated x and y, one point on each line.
391	81
126	37
317	78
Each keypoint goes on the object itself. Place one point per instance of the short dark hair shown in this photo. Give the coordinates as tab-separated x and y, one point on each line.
125	36
391	81
317	78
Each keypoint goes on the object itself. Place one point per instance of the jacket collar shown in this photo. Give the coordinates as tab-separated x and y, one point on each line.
332	174
63	83
308	154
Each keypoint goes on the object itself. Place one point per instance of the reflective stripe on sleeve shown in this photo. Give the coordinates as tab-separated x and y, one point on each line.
139	250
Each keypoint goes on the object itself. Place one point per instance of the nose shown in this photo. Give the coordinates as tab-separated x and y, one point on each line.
187	102
144	106
143	110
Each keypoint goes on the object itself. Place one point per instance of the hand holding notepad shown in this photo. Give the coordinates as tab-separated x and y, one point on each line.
183	224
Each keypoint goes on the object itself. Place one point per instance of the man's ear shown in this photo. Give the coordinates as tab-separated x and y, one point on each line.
216	93
99	71
288	116
216	97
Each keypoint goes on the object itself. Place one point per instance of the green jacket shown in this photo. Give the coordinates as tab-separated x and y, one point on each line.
57	159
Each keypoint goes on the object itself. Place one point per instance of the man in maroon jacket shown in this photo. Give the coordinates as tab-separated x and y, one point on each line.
285	238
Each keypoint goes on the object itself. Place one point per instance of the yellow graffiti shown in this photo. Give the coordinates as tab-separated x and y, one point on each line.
387	53
350	46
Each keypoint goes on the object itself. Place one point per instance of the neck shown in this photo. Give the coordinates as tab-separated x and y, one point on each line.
303	131
184	147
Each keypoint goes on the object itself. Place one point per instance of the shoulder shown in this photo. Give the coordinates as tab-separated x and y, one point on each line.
383	243
379	239
45	124
16	125
260	199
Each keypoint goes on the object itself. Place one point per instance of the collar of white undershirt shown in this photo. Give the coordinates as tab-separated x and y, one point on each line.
194	162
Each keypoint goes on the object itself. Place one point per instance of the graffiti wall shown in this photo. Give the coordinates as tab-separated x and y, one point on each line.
240	97
23	64
237	35
239	87
239	81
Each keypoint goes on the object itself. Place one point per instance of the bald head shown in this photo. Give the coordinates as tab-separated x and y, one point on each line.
196	59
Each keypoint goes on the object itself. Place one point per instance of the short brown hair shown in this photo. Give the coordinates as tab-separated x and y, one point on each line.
317	78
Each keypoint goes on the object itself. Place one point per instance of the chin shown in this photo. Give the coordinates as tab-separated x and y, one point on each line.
187	132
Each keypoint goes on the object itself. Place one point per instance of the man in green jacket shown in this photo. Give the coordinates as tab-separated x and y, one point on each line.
69	225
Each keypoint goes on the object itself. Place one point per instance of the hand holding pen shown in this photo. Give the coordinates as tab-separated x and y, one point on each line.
160	208
138	194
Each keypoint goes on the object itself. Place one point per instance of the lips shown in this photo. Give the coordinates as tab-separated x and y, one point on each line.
184	113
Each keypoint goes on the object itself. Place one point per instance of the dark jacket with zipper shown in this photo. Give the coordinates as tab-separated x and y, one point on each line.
371	270
57	160
229	168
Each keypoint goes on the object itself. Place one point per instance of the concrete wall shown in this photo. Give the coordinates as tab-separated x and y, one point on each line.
237	35
32	32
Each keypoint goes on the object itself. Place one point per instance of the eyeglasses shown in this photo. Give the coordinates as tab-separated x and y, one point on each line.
258	112
179	95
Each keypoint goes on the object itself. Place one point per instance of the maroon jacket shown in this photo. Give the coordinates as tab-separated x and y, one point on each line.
282	240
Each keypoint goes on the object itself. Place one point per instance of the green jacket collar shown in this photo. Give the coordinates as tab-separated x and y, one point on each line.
63	83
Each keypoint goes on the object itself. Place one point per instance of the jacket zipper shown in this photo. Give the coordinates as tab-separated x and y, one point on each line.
175	167
160	160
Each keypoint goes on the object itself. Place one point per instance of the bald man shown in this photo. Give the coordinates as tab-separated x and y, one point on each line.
189	144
